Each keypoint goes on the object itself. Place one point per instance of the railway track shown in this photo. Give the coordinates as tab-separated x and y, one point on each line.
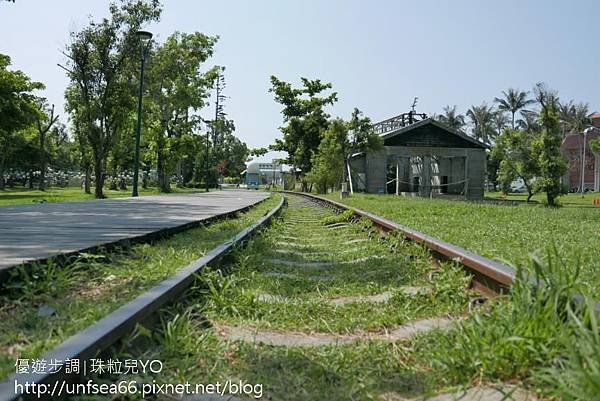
316	306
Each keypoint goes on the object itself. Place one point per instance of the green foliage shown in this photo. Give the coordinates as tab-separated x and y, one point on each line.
515	150
18	109
576	376
338	218
552	163
595	145
229	151
514	100
451	118
177	89
340	141
328	160
482	118
304	119
101	61
574	117
512	337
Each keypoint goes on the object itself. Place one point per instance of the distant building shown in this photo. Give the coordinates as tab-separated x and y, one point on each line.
572	149
258	173
425	158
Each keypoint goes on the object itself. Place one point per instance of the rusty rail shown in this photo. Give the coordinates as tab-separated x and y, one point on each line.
489	276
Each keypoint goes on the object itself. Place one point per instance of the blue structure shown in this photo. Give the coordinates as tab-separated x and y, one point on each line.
253	176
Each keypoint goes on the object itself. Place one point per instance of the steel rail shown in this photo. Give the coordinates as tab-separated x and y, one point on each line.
489	276
101	335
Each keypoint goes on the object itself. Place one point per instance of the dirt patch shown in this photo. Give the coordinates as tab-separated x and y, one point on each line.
295	339
297	277
98	290
13	350
291	263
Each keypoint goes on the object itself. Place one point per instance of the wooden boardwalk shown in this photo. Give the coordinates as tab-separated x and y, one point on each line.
37	232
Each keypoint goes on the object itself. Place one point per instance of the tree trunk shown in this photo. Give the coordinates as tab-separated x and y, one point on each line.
2	187
145	178
529	190
42	183
164	184
179	174
2	184
550	199
30	184
99	177
86	182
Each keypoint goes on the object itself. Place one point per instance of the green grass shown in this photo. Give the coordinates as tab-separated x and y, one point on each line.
506	233
21	196
535	337
568	200
85	291
307	308
191	351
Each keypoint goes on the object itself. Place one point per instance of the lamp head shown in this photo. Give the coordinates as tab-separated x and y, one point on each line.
144	35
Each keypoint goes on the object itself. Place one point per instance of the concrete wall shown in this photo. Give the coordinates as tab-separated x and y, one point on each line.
376	172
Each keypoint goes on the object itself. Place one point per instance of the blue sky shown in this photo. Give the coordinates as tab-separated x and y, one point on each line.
377	54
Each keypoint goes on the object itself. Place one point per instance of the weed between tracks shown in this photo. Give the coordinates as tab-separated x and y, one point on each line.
535	337
45	306
301	301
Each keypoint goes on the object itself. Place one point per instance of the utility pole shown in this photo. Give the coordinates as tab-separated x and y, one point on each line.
214	130
218	110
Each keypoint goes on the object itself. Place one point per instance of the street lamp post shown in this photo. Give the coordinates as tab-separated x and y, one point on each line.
144	38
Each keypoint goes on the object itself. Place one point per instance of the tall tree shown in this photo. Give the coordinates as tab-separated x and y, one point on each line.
304	119
574	117
328	165
340	141
18	108
500	121
482	118
178	89
45	119
230	153
513	101
451	118
516	151
552	164
529	121
101	67
359	137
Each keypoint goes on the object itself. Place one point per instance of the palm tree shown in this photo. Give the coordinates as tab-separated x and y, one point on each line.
482	118
451	119
575	117
500	121
529	121
513	101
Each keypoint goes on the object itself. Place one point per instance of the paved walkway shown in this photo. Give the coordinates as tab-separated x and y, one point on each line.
32	232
